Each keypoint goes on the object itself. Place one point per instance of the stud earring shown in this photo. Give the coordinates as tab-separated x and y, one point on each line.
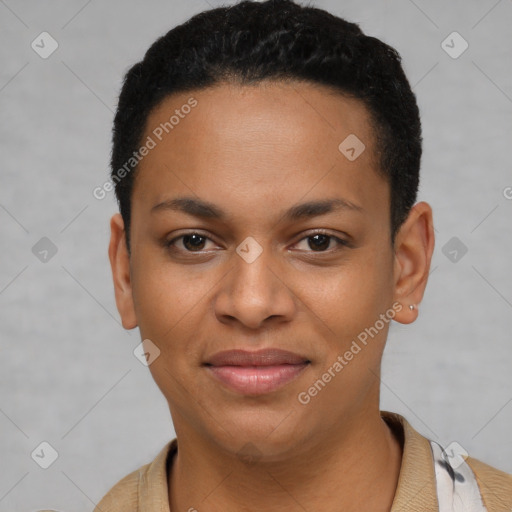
411	307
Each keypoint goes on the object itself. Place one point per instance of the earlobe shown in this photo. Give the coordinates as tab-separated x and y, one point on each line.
414	245
120	265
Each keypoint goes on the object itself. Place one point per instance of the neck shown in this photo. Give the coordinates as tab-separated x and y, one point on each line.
354	467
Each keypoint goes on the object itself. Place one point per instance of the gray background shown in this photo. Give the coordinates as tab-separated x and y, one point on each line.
68	375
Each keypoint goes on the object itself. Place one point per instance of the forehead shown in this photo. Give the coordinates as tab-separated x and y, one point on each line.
308	113
271	141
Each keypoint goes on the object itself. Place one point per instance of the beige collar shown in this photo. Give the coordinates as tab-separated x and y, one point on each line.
416	490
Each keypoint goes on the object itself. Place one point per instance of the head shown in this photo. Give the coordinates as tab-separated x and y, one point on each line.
271	157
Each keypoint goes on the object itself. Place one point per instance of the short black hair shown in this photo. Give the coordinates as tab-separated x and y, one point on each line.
249	42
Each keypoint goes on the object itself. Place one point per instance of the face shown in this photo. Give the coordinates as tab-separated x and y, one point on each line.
251	229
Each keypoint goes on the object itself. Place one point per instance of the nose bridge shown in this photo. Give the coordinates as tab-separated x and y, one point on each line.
254	290
253	278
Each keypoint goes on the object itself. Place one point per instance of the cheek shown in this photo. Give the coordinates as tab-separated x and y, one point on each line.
164	295
353	303
354	295
171	304
168	307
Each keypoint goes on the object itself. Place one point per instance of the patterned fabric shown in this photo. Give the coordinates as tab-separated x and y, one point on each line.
457	488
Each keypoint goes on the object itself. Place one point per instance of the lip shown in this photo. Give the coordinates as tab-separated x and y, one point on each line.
258	372
263	357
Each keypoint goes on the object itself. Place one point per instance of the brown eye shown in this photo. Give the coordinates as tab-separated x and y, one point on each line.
320	242
191	242
194	242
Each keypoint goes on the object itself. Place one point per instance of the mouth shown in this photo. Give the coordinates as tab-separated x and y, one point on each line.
256	373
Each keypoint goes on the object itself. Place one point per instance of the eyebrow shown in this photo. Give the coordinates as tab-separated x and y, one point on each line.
207	210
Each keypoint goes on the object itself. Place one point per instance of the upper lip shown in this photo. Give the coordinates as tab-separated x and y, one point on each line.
264	357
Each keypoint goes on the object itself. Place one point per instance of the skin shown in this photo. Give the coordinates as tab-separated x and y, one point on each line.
255	151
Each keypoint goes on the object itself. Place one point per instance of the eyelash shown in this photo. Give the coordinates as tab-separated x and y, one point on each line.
340	241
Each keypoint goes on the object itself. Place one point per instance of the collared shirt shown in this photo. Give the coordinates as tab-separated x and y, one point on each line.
426	483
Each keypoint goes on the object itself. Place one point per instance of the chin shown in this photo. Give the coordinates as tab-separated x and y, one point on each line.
274	434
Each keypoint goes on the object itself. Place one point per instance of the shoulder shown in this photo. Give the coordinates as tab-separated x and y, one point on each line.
141	489
495	485
418	470
124	495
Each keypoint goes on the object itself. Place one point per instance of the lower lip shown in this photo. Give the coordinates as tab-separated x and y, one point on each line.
257	380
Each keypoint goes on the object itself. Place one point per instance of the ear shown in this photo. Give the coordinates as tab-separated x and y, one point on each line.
120	263
414	245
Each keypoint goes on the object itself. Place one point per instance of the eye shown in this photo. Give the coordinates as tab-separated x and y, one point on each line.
192	242
321	241
195	242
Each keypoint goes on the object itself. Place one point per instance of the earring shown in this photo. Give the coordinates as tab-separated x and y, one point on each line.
411	307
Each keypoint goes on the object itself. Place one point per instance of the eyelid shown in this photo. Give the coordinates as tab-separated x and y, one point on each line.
341	242
170	243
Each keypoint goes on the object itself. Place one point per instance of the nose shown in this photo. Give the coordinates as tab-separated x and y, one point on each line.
255	293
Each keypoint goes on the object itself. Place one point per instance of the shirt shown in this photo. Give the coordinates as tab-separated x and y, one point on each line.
429	480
